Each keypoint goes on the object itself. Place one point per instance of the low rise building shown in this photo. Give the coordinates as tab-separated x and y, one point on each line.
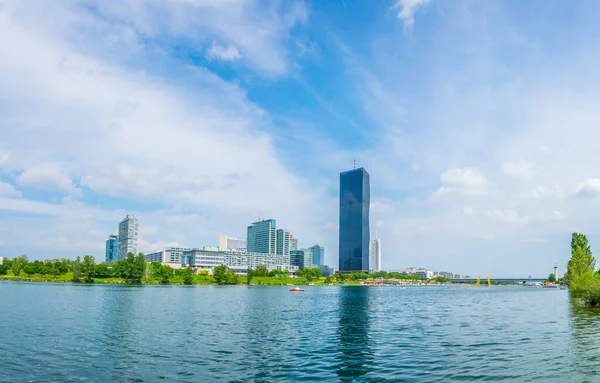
239	261
169	256
232	243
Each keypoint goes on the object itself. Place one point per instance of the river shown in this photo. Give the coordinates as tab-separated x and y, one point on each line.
103	333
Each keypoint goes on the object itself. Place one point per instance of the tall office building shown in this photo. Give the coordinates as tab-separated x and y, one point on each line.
318	253
375	256
112	246
293	243
302	258
261	237
128	236
231	243
283	242
355	198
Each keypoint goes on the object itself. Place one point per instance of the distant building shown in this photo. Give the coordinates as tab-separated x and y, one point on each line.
1	260
261	237
375	255
112	249
302	258
318	255
293	243
283	242
128	236
170	255
239	261
232	243
355	197
326	271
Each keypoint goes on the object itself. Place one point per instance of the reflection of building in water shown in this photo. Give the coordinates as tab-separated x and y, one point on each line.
355	356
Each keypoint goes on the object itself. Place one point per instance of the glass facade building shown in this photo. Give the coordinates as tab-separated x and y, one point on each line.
128	236
301	258
318	253
355	198
261	237
112	246
283	242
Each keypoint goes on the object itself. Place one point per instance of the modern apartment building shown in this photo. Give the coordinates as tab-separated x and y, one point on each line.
318	255
375	256
262	237
128	236
239	261
112	249
355	198
293	243
170	255
232	243
283	242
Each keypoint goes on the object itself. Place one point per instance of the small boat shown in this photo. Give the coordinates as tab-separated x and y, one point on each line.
296	290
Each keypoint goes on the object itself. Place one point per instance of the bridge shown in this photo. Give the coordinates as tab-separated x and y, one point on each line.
498	280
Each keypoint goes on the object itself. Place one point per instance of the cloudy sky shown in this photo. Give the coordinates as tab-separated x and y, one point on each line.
479	123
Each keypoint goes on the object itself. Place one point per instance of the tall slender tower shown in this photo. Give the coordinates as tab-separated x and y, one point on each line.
128	236
355	199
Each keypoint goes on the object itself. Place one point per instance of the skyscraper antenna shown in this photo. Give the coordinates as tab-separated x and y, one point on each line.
354	162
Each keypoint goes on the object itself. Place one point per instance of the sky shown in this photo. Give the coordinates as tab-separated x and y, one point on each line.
477	121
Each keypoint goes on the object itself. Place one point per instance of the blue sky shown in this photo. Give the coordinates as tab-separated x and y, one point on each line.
477	121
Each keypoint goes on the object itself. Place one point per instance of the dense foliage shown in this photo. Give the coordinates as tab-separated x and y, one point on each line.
584	282
225	276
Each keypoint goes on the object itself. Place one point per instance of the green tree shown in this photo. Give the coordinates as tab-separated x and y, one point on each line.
3	269
102	270
551	278
220	274
77	270
188	276
249	275
441	279
88	268
261	271
579	264
580	240
134	268
166	273
18	264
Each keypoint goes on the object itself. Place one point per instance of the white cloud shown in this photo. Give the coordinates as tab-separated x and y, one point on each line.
408	8
520	169
218	52
48	176
588	189
509	216
468	181
8	190
467	210
543	191
381	206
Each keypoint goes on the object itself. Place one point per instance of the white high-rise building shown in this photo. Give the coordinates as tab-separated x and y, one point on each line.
375	255
128	236
231	243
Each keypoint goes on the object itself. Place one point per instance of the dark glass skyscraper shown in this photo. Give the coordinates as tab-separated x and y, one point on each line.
355	198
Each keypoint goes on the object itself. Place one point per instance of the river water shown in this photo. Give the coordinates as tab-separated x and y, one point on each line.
99	333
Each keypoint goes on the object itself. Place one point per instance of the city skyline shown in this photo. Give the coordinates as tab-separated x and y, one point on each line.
475	148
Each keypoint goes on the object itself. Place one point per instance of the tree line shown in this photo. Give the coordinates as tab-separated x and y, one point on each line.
133	269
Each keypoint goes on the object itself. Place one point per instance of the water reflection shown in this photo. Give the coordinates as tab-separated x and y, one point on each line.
585	332
355	357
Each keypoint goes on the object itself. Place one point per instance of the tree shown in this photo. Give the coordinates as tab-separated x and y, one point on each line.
18	264
249	275
102	271
77	270
580	240
88	268
3	269
166	272
134	268
261	271
551	278
440	279
188	276
579	264
220	274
